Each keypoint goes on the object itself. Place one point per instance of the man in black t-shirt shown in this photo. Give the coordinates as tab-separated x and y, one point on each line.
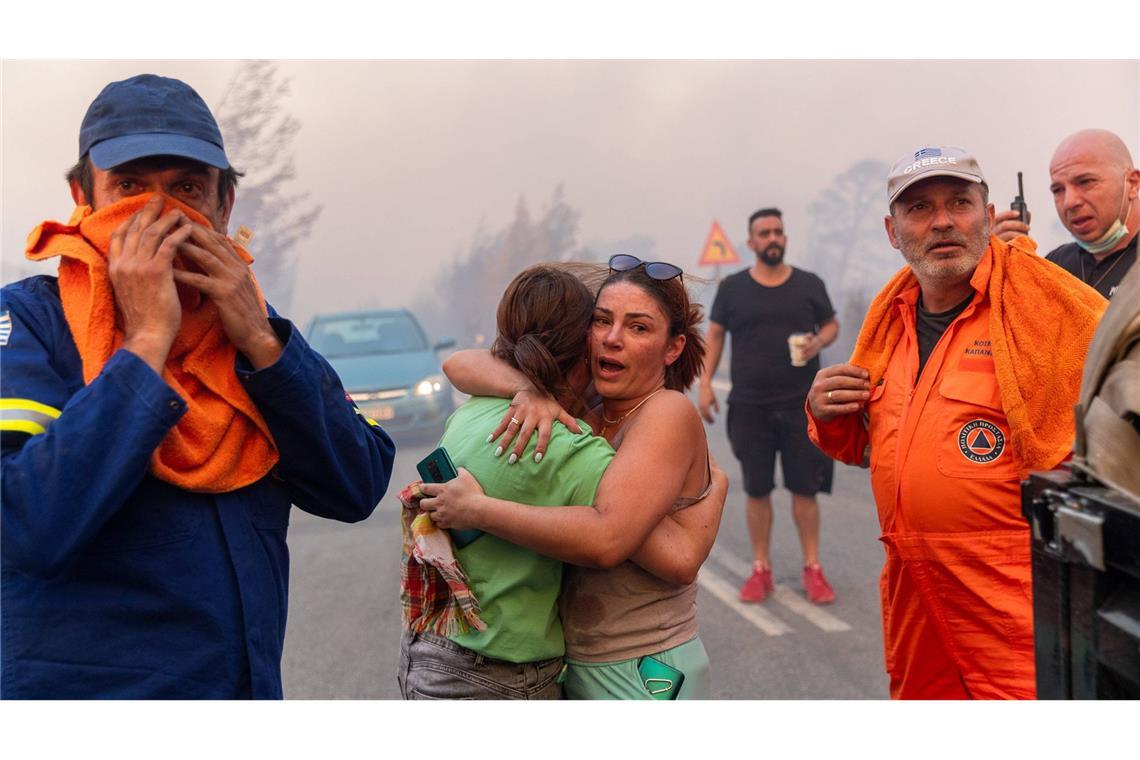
762	307
1095	187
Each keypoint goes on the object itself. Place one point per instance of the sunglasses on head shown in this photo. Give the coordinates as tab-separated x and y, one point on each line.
658	270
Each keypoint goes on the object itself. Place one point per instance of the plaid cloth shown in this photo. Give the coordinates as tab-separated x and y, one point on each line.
434	594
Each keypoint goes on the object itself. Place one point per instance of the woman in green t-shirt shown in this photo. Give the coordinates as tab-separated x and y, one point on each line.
630	626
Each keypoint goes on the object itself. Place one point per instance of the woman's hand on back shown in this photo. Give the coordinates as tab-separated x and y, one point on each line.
530	411
454	504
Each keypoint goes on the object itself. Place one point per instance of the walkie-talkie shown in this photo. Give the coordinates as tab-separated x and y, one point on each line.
1018	204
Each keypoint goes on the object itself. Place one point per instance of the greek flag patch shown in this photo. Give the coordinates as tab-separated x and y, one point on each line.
927	153
5	328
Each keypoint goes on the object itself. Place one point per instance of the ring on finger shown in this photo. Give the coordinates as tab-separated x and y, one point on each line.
514	421
829	396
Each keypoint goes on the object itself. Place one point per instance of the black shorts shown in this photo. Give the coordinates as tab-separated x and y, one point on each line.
757	433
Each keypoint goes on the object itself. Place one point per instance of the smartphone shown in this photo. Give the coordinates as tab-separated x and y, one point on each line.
437	467
660	680
1018	204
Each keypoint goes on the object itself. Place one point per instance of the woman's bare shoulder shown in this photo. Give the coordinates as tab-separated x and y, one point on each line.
675	409
672	401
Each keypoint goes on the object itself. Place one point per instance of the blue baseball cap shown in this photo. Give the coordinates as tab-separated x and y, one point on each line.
149	115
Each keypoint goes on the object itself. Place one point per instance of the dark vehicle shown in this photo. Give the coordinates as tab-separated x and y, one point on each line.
387	366
1085	522
1086	587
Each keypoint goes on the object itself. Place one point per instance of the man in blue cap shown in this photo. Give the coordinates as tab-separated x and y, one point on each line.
158	419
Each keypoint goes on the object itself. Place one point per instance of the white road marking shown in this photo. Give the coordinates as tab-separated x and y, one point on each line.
783	595
727	593
825	621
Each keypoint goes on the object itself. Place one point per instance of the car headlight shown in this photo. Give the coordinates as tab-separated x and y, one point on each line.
430	385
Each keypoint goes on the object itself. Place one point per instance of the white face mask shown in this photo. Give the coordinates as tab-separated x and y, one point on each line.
1116	233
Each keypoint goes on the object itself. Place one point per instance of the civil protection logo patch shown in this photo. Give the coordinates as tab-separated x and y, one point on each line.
981	441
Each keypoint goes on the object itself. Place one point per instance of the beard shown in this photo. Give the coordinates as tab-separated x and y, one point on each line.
928	268
772	255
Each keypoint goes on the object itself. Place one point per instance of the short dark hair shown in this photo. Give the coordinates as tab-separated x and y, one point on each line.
684	315
763	213
82	175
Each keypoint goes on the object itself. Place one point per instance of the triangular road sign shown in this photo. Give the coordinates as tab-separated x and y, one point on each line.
717	249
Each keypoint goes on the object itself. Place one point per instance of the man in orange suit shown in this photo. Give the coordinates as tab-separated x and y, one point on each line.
950	409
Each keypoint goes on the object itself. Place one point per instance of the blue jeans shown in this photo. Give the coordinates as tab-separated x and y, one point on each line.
433	667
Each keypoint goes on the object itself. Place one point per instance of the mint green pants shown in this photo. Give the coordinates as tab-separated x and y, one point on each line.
620	680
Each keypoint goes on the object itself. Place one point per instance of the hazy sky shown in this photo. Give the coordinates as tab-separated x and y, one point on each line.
409	159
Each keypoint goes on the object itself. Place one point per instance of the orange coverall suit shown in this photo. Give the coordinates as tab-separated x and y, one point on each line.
956	587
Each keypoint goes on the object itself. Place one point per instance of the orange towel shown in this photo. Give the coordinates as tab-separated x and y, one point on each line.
221	443
1041	321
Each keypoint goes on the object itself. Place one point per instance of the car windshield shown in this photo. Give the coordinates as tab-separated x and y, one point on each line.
369	334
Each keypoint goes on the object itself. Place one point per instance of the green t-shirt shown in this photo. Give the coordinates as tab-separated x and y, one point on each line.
518	589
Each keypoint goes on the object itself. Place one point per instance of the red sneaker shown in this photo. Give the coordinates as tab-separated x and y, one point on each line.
758	585
816	587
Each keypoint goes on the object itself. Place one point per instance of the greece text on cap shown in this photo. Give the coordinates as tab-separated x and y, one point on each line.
930	162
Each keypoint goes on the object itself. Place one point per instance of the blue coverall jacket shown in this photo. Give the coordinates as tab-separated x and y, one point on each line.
119	585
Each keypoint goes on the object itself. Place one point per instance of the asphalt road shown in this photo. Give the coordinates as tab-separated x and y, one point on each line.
343	634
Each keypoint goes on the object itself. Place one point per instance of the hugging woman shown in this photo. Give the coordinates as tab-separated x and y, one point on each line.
628	602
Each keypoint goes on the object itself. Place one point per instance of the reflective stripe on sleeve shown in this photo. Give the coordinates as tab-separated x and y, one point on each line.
23	415
364	416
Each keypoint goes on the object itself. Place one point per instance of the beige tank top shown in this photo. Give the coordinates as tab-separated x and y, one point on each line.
626	612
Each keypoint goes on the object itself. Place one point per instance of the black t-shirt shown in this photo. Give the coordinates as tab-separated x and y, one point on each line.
1106	275
930	328
759	320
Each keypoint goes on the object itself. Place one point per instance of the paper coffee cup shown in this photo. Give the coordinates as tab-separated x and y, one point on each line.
797	346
